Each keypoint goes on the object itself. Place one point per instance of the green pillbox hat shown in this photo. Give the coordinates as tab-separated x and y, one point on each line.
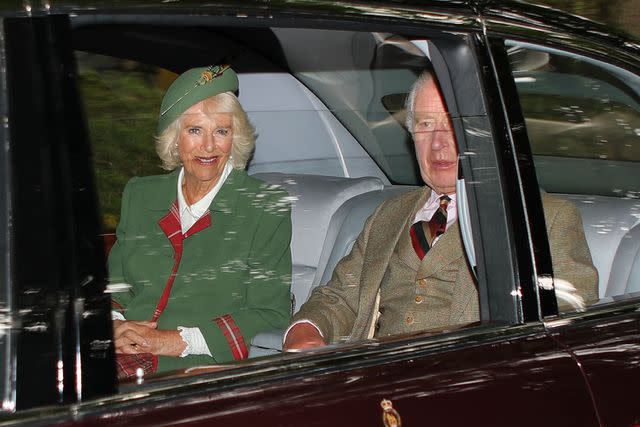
193	86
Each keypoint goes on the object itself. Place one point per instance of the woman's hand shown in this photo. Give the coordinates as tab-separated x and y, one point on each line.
132	337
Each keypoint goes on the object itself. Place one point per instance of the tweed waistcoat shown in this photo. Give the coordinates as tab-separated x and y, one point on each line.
410	300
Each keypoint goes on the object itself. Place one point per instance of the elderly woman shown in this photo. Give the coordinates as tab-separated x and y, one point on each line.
203	252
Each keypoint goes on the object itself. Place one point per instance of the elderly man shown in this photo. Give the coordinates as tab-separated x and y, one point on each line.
407	270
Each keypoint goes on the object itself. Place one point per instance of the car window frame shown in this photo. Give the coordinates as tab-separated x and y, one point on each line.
7	299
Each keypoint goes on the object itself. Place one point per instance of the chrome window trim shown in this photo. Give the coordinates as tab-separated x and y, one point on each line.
531	29
8	321
631	79
607	308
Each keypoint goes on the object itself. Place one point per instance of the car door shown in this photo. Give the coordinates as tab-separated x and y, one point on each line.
582	119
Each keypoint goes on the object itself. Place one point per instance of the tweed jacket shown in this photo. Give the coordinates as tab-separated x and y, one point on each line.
231	279
345	309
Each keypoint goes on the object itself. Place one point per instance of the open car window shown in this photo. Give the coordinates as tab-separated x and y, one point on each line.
330	118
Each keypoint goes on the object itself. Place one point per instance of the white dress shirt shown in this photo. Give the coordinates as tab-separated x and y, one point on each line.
431	206
189	215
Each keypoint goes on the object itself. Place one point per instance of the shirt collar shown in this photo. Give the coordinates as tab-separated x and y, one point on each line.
431	205
199	208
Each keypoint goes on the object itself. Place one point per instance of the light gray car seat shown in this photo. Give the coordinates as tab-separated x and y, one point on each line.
612	229
314	200
625	271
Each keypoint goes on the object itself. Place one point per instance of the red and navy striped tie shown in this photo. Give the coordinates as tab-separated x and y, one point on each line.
423	233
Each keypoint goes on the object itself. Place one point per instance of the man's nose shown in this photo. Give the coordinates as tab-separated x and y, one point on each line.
442	139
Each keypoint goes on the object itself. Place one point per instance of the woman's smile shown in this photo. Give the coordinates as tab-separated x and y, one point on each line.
207	161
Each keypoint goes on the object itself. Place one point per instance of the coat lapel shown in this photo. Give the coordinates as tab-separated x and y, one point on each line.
387	226
447	250
167	193
406	252
465	306
170	226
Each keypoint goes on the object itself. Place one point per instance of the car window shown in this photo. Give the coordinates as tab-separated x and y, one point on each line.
344	135
583	121
331	133
579	108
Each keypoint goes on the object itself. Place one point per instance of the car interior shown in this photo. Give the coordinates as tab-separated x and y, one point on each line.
328	109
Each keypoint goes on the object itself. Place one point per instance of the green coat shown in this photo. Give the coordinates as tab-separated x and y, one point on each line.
237	269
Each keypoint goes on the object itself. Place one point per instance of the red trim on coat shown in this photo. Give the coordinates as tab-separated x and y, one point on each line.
170	225
233	335
201	224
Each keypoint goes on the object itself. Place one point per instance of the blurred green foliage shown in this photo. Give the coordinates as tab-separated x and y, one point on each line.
121	107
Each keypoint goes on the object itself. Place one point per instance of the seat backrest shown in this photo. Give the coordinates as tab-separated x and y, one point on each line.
346	224
317	142
613	235
314	199
625	271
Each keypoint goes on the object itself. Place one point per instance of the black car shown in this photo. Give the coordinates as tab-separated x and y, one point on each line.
539	100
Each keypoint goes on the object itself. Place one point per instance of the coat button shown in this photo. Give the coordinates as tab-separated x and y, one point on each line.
409	320
418	299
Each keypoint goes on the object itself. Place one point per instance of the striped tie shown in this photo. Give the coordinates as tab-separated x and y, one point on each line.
423	233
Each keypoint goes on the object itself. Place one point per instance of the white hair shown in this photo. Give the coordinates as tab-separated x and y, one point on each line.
242	146
423	79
